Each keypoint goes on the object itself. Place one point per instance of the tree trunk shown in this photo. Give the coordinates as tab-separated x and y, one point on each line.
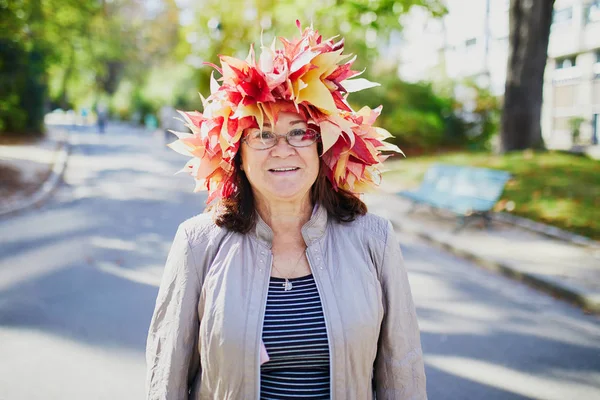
63	99
530	22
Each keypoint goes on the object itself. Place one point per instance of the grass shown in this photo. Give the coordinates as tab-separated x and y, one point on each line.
551	187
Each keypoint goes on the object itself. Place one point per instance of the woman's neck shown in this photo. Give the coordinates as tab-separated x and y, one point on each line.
285	219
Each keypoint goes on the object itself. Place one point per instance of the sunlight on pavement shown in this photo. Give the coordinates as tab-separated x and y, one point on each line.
149	275
38	262
507	379
113	243
116	369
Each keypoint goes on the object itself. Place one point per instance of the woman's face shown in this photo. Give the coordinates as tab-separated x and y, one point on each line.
283	172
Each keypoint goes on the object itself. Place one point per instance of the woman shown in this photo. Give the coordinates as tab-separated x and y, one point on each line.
287	288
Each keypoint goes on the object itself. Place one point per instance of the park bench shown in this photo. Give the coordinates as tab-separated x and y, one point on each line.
465	191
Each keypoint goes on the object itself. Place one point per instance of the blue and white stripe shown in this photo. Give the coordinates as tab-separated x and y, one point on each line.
295	337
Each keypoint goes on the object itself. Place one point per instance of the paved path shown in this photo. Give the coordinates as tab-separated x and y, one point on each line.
487	337
78	280
557	266
78	277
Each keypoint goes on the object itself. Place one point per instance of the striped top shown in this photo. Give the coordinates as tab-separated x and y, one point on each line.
295	337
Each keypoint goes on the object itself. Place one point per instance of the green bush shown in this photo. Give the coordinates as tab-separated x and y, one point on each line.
416	127
479	118
167	84
412	112
22	87
420	116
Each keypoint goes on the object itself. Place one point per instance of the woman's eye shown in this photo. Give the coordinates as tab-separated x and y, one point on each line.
259	135
264	135
297	133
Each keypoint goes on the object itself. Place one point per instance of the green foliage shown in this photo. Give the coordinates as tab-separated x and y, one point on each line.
413	113
12	82
575	126
22	66
22	87
74	51
128	48
68	53
478	116
163	84
364	24
122	101
420	116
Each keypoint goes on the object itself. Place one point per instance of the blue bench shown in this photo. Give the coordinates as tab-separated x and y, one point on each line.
465	191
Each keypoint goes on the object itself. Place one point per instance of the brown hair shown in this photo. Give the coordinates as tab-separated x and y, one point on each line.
238	213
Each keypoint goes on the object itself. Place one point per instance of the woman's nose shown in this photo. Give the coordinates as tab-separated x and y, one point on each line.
282	148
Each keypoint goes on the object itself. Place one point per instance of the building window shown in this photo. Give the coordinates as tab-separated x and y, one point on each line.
566	62
470	42
592	12
564	97
470	46
562	16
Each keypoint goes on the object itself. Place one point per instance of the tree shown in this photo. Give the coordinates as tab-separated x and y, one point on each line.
56	53
32	40
364	24
529	23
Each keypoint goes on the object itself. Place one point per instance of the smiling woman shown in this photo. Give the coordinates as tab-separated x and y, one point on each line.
281	170
286	287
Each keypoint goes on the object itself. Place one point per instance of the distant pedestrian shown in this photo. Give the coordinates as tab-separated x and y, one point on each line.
102	116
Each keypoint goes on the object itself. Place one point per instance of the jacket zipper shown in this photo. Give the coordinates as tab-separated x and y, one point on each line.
327	326
260	325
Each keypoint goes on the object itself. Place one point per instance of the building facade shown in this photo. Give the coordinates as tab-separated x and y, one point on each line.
571	108
472	41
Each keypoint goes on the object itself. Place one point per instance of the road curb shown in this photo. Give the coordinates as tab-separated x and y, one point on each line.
589	302
48	186
546	230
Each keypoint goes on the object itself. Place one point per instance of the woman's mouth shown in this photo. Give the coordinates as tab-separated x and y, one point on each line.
284	170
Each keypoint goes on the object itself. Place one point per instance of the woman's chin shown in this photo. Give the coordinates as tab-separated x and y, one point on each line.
287	193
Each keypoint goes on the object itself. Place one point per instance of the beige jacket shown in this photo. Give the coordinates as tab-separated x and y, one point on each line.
205	336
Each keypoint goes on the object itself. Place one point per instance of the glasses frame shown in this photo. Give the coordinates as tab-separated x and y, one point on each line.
287	139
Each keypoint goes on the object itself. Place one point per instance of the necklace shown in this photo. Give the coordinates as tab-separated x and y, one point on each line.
287	285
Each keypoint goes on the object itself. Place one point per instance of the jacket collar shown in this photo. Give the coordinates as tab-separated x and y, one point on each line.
312	230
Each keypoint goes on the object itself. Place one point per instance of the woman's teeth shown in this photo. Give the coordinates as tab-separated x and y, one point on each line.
283	169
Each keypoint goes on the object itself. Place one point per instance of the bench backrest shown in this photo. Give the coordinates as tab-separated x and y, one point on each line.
478	183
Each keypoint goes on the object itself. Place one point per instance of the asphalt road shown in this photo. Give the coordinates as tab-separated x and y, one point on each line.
79	276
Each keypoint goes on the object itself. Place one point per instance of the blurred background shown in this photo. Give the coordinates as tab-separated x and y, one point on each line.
442	65
89	203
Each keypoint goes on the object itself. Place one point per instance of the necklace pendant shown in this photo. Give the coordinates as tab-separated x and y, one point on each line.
287	285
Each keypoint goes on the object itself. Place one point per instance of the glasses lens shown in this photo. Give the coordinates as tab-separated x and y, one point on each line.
302	137
261	139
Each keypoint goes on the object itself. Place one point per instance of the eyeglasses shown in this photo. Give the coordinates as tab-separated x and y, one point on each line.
262	140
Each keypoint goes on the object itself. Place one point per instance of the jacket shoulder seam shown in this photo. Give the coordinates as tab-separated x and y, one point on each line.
373	226
189	248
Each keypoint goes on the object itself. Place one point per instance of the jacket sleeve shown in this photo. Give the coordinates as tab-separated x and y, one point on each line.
399	371
171	350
